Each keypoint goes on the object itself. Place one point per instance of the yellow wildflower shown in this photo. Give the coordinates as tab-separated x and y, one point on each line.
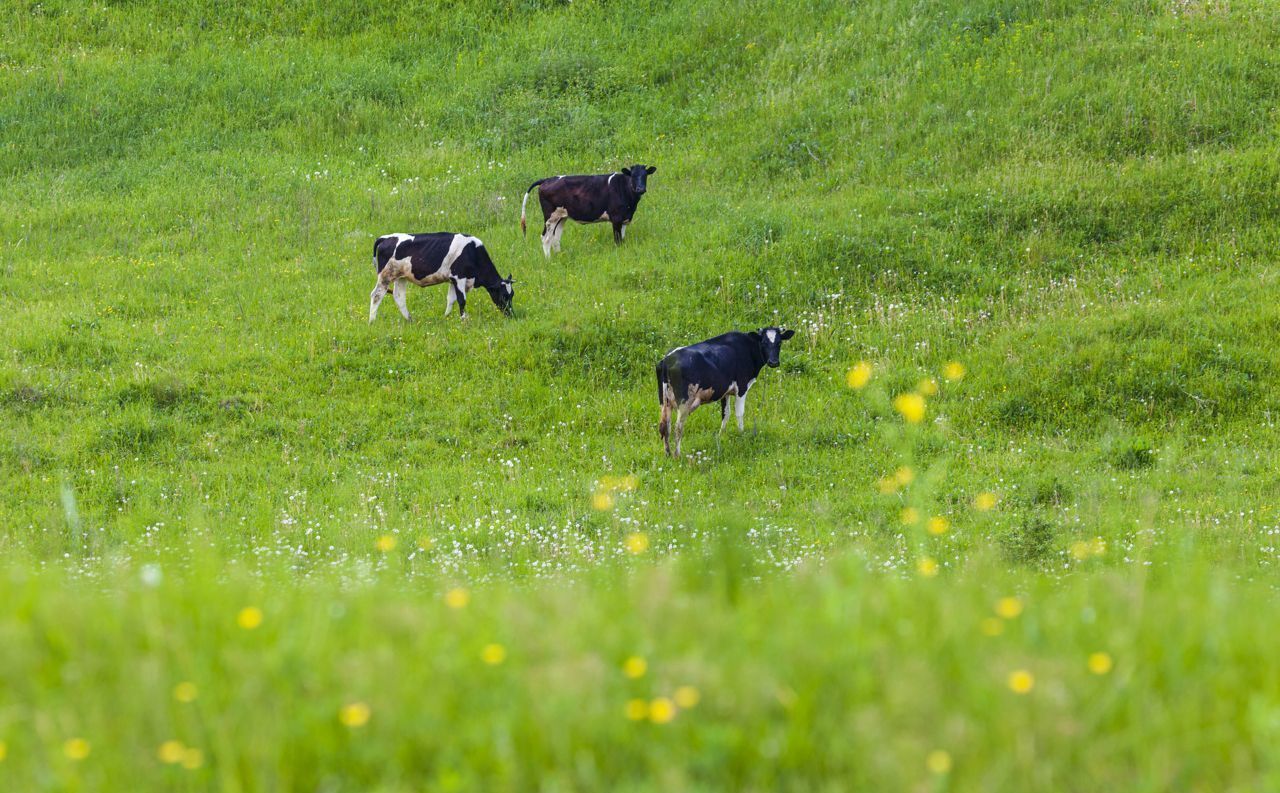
75	748
992	626
927	387
1021	681
386	543
1008	607
938	762
493	654
687	696
602	501
249	617
911	406
637	709
859	375
909	516
662	710
1099	663
938	525
954	370
354	715
635	667
170	752
457	598
985	501
927	567
185	691
636	542
904	476
192	758
4	751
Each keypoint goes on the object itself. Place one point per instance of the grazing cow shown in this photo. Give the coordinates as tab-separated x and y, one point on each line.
711	371
426	259
588	199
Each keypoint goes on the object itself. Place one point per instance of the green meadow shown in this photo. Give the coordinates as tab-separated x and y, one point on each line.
1006	517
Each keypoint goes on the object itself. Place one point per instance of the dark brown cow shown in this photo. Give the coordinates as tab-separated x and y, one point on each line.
587	199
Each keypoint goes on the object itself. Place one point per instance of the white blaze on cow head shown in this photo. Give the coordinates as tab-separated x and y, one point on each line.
771	339
503	294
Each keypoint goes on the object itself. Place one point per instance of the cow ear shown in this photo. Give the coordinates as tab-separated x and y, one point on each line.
625	171
651	169
786	334
755	334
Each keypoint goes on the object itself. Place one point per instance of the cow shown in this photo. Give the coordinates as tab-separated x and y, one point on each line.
426	259
712	371
587	199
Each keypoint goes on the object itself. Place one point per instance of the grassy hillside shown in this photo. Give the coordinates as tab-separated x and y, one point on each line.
1077	202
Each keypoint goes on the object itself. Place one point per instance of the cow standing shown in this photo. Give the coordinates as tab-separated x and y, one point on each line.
588	199
426	259
711	371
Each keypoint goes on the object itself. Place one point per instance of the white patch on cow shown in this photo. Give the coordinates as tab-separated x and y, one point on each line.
741	404
459	243
603	216
450	300
771	335
624	228
610	181
399	290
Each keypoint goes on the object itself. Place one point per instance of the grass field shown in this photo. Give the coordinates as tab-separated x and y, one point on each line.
253	543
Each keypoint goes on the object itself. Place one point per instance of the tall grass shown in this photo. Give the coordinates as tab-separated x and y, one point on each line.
1074	200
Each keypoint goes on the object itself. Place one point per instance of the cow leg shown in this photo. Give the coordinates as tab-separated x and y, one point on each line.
619	232
375	298
740	405
555	238
724	412
449	301
551	230
462	299
664	426
546	238
399	291
681	414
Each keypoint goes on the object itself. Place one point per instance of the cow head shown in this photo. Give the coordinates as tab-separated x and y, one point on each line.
502	294
637	175
771	340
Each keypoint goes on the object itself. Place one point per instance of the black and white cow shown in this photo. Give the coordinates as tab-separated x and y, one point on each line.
426	259
712	371
588	199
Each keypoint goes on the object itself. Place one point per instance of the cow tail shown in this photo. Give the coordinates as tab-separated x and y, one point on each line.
662	371
523	231
376	268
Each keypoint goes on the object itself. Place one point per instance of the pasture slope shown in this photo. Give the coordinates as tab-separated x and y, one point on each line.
252	543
